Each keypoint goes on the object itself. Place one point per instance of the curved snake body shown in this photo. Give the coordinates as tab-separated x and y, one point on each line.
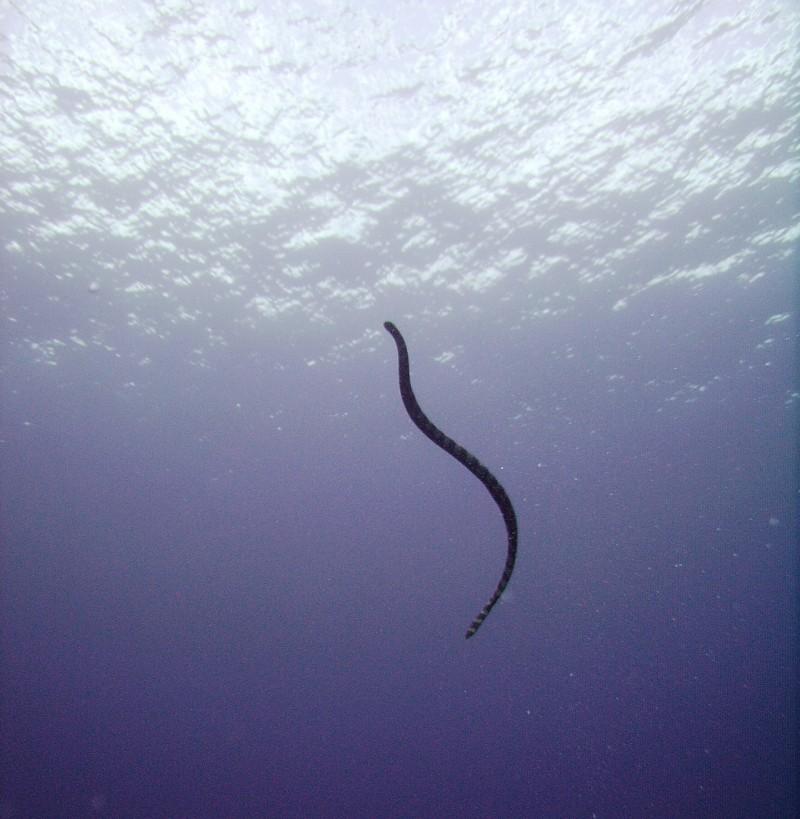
428	428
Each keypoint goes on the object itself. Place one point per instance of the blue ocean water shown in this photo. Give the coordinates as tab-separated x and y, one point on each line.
234	577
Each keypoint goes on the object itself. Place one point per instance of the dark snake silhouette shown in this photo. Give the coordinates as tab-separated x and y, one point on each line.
497	492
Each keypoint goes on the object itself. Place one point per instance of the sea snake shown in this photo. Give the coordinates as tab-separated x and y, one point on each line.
433	432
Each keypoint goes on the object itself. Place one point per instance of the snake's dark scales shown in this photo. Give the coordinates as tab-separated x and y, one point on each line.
428	428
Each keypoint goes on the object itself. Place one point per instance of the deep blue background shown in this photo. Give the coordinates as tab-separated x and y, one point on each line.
271	622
